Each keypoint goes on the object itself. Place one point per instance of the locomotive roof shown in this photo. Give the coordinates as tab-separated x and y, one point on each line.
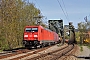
39	26
47	29
33	26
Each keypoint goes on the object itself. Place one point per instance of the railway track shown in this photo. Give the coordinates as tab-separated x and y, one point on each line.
39	54
54	55
13	53
18	54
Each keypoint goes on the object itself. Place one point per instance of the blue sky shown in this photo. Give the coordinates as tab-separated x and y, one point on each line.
75	10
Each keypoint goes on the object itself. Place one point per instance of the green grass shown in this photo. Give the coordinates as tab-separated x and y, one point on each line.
1	50
59	45
89	46
81	48
78	44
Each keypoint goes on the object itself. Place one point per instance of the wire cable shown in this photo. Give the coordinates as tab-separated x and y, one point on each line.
66	11
41	11
62	9
39	7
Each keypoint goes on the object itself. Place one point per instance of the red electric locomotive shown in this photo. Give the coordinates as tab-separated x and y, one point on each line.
39	36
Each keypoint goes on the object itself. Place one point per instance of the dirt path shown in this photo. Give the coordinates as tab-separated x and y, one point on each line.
84	53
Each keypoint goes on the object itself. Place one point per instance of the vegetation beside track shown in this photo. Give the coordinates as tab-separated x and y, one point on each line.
81	48
89	46
14	16
1	50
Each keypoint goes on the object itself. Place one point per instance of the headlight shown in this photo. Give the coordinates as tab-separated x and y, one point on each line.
35	36
25	35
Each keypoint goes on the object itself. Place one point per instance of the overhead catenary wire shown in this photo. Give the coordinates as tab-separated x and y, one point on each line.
66	10
62	9
41	11
39	6
89	15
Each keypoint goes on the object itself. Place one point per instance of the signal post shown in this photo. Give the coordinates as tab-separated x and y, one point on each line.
72	39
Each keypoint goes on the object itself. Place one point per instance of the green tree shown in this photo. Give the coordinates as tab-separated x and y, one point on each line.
14	16
82	29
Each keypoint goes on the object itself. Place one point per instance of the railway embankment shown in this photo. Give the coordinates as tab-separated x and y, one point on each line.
19	54
51	53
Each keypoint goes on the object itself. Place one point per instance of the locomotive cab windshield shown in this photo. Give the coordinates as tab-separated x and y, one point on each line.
31	29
